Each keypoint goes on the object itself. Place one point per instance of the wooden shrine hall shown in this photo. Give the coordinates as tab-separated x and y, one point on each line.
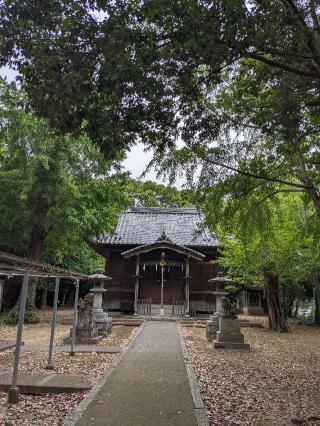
160	261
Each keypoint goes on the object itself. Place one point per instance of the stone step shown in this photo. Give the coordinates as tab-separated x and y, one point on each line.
8	344
251	324
132	323
77	349
231	345
37	384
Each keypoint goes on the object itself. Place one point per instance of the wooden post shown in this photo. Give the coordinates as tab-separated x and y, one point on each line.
1	292
187	286
136	287
75	317
107	268
13	394
53	322
161	295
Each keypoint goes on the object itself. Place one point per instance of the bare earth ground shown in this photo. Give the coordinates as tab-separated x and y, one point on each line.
277	383
52	409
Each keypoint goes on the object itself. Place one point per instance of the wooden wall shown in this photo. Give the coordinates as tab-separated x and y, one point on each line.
121	288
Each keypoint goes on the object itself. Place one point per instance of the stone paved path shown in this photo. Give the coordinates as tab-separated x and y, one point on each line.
148	387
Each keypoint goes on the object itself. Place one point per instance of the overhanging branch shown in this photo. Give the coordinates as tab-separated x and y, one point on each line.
256	176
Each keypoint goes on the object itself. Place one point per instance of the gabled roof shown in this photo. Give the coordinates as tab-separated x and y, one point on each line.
140	225
163	243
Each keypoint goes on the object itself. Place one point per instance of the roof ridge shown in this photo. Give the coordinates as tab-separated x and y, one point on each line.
164	210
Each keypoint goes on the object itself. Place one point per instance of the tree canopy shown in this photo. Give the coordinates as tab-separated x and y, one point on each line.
121	70
56	192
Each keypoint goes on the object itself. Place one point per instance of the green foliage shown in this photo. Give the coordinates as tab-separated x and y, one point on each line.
151	194
31	316
233	291
283	242
123	69
56	191
307	319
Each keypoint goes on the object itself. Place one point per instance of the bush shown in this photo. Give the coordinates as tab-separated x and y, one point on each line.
31	316
233	292
307	319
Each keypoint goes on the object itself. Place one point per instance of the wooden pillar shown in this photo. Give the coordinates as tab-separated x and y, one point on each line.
187	286
1	292
136	287
107	268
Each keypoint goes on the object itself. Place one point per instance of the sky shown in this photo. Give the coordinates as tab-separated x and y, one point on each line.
137	159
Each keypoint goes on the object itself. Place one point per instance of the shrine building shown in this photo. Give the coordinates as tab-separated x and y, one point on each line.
160	261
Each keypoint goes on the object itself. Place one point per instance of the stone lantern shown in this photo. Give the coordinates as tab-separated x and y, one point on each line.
221	281
100	316
213	324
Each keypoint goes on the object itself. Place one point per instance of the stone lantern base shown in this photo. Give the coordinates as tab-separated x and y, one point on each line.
104	323
229	335
212	326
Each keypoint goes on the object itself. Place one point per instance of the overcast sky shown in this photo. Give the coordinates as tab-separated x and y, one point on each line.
136	160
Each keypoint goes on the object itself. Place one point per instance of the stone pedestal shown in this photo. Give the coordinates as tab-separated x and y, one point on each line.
229	335
87	329
212	326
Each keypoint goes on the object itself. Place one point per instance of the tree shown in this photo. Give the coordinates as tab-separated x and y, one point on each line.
270	247
151	194
56	192
124	69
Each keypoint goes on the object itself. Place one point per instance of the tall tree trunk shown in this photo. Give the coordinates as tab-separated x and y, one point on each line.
44	294
277	319
317	297
37	242
36	247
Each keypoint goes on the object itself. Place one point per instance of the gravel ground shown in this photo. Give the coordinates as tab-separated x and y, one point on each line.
52	409
39	334
277	383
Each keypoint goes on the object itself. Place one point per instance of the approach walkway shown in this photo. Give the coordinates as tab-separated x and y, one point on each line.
149	386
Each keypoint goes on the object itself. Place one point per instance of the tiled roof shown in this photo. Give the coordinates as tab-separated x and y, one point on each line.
140	225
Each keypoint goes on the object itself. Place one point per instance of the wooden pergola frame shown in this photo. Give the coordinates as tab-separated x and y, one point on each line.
28	268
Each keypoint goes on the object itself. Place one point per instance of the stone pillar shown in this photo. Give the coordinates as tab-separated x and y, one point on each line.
229	335
1	292
98	291
136	287
187	290
245	308
212	326
101	318
219	308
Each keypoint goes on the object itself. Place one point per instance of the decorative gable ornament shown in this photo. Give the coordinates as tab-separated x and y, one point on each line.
163	237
